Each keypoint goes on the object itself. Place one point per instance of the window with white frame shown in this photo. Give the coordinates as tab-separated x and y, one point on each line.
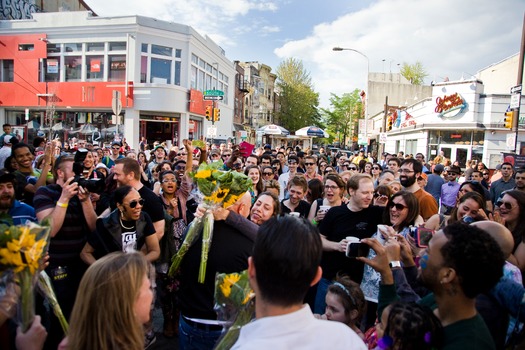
204	77
160	64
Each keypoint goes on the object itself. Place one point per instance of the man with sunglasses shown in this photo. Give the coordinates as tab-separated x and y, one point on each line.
409	171
505	183
109	161
311	169
449	190
74	218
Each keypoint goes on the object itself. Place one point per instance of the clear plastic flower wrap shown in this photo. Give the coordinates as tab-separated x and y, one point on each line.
22	248
219	189
234	304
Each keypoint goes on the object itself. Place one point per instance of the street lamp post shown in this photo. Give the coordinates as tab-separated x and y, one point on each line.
367	90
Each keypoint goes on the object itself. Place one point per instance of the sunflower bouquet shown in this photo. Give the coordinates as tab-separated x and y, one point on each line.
22	248
234	303
217	188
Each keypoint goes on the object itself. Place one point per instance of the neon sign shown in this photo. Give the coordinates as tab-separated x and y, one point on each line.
450	106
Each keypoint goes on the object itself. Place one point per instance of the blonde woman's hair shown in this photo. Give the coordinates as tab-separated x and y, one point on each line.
103	317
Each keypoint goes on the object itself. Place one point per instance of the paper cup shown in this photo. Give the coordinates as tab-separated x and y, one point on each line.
352	239
324	208
293	213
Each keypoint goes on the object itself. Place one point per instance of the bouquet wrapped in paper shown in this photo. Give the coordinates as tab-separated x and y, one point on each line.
22	248
234	304
218	188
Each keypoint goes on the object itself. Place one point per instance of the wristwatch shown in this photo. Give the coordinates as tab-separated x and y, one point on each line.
395	264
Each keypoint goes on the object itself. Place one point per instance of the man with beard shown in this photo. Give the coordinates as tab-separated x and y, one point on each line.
19	212
520	179
461	262
409	171
358	219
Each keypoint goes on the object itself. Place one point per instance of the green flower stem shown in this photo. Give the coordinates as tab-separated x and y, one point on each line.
207	235
27	300
191	237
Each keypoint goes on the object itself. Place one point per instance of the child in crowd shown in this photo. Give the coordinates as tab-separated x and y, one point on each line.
345	303
408	326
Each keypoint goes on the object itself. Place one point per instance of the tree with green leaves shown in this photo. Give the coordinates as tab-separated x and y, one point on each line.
342	118
298	100
414	73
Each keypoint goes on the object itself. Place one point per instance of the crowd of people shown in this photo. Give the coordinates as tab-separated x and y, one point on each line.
119	215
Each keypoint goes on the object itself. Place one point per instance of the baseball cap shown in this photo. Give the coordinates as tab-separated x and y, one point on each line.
215	152
439	167
267	146
423	176
116	143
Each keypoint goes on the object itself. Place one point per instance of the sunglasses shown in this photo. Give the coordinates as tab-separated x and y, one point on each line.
178	167
376	194
181	154
352	168
310	164
375	168
226	155
506	205
236	166
267	174
398	206
485	174
115	147
134	203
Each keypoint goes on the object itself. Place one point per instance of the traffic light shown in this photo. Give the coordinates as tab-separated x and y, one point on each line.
507	121
389	124
208	112
216	114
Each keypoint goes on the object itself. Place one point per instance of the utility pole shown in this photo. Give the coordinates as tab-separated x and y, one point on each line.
516	112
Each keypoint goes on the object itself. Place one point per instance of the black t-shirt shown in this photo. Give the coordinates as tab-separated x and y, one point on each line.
303	208
340	223
153	204
229	252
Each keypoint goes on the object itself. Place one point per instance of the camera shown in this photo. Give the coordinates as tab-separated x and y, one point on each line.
421	236
91	185
357	249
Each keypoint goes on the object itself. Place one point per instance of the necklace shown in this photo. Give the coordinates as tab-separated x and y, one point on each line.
127	228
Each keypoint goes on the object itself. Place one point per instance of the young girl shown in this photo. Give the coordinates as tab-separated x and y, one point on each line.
345	303
408	326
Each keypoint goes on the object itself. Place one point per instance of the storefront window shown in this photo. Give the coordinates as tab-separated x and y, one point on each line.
73	66
53	48
117	68
160	71
95	68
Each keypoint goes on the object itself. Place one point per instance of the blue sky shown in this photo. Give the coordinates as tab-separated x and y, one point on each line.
450	38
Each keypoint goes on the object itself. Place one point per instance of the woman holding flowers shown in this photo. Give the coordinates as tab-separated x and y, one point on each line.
126	229
113	302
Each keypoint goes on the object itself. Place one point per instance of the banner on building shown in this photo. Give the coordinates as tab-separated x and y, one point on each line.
514	159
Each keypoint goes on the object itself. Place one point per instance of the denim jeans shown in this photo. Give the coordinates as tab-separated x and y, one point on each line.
196	338
320	297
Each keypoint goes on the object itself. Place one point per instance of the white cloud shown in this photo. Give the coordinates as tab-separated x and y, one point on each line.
448	37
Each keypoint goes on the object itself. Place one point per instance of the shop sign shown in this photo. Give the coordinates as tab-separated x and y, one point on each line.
95	66
52	66
450	106
455	136
402	119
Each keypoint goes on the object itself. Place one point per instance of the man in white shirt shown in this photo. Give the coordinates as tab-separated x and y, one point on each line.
284	178
284	264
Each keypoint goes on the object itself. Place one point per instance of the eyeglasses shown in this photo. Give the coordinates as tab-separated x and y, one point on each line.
329	187
267	173
309	164
406	171
134	203
165	181
506	205
178	167
398	206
